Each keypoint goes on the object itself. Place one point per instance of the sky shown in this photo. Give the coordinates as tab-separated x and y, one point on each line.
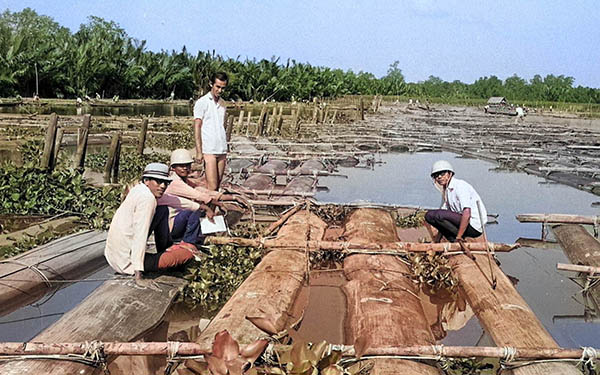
453	40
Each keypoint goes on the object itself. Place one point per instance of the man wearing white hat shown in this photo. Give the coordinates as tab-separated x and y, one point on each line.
138	217
462	213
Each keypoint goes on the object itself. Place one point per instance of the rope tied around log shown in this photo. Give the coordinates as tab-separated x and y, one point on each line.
172	360
588	357
509	353
94	352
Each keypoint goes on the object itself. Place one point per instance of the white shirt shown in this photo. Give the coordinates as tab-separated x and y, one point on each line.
126	242
460	195
214	139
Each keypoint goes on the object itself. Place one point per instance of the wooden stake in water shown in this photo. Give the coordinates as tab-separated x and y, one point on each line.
142	139
79	161
47	156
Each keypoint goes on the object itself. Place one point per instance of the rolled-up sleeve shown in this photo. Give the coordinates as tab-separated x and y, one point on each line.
142	218
181	189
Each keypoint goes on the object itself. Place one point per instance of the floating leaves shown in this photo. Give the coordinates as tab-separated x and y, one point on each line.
433	270
413	220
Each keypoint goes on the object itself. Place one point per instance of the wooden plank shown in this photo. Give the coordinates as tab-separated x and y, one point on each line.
118	310
71	257
504	314
379	316
558	218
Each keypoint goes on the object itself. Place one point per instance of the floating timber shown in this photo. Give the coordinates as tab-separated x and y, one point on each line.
118	310
27	277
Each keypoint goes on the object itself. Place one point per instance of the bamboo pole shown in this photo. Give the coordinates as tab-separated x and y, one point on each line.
558	218
349	245
117	161
47	156
578	268
142	139
240	123
79	161
361	109
229	128
193	349
282	220
248	122
114	145
261	121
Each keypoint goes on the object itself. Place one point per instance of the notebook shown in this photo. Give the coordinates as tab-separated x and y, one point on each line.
218	226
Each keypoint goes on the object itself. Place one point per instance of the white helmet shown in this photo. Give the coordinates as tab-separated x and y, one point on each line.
441	165
181	156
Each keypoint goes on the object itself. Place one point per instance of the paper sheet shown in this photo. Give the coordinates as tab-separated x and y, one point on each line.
218	226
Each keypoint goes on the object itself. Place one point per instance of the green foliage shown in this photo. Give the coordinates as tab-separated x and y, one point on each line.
433	271
131	164
414	220
30	190
101	58
213	280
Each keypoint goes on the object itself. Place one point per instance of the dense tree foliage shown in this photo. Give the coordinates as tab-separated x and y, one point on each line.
100	58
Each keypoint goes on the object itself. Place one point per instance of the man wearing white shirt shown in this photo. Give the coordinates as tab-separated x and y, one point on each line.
462	214
209	131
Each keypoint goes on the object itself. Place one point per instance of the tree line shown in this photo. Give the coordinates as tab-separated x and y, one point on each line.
37	55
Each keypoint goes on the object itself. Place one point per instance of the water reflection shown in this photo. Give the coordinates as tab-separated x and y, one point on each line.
403	179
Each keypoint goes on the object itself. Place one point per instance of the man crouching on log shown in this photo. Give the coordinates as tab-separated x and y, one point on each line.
138	217
462	214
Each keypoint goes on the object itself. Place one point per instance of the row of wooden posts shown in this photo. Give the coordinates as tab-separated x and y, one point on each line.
267	124
53	140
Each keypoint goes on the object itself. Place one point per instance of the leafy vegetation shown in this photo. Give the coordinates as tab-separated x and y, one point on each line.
100	58
213	280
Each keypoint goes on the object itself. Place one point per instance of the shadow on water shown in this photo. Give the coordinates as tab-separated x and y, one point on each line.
403	179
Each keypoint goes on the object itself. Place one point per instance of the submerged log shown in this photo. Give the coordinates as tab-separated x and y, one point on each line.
118	310
271	289
504	314
384	309
27	277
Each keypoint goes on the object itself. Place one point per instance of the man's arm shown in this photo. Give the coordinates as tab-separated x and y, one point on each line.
464	223
198	138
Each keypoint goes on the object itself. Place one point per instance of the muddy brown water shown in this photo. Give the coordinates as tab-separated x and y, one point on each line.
403	179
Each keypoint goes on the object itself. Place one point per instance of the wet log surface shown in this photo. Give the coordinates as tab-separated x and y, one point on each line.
22	278
384	309
503	313
118	310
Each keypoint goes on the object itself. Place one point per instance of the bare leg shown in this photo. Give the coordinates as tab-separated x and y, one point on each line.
221	163
212	172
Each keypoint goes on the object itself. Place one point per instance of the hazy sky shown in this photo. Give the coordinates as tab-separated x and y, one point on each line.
454	40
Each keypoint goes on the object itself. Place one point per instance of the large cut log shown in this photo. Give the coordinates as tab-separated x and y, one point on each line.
384	309
271	288
504	314
27	277
582	249
118	310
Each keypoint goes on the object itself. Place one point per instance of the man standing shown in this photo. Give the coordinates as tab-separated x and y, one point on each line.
135	219
459	216
209	131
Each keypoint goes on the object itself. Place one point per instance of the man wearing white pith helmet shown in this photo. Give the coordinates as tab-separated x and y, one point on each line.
135	219
459	217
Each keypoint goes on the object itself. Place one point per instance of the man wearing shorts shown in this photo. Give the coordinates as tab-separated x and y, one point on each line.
209	131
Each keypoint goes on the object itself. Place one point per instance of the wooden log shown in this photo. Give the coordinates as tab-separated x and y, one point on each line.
240	123
47	156
116	163
110	161
59	136
193	349
248	122
82	140
503	313
558	218
117	311
577	243
379	316
282	220
270	290
359	244
262	118
27	277
229	128
577	268
361	110
142	137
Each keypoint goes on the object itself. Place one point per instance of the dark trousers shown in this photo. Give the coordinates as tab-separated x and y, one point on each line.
447	223
187	226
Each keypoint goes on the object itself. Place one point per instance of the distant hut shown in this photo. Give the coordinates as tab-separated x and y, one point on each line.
497	100
499	105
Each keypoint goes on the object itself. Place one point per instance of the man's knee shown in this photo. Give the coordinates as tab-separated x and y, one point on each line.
175	256
432	217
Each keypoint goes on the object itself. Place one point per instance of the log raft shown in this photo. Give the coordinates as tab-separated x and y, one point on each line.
383	307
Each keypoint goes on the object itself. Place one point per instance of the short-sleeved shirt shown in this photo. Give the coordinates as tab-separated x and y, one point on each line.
460	195
214	139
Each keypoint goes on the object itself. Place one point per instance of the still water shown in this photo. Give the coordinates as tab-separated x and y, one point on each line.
403	179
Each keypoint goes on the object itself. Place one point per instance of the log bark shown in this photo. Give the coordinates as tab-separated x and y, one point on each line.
384	309
270	290
50	139
577	243
142	138
504	314
110	161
